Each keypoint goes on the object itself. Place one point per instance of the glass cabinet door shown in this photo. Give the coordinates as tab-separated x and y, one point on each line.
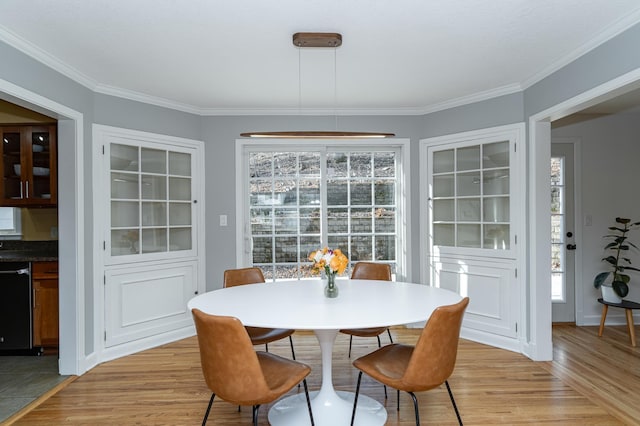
470	195
39	186
12	169
151	195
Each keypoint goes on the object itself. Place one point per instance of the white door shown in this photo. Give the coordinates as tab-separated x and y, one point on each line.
562	233
149	211
473	217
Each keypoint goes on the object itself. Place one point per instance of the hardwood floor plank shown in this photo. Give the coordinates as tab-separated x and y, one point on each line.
164	385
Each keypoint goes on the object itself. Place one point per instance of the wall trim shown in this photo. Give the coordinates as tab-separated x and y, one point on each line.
72	255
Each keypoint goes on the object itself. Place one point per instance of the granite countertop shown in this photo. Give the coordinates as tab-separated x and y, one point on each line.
28	251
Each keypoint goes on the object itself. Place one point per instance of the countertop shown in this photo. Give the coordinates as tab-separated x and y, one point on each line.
28	251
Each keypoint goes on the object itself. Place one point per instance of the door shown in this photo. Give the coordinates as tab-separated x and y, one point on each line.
474	207
150	212
562	233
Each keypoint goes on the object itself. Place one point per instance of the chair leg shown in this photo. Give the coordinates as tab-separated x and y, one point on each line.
453	401
255	415
355	399
385	386
398	399
306	393
350	340
293	353
266	347
415	407
389	333
206	414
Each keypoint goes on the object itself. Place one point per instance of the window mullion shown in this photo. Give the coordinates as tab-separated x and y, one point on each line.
324	213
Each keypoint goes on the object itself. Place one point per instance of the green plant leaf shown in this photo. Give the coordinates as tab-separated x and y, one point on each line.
600	278
622	277
621	288
610	259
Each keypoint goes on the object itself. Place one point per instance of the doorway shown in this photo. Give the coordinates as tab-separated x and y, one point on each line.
71	252
563	238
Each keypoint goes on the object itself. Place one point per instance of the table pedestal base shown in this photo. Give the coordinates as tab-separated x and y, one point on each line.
336	411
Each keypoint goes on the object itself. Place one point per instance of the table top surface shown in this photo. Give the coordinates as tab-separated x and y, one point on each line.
301	304
627	304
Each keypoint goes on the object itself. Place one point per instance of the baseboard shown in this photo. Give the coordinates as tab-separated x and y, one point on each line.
139	345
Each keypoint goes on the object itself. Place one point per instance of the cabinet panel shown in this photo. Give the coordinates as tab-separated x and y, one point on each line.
45	304
29	165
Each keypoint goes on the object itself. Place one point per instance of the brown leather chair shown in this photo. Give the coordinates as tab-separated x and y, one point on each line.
369	271
238	374
258	335
416	369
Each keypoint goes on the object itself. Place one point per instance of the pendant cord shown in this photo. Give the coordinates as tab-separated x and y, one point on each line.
335	86
299	81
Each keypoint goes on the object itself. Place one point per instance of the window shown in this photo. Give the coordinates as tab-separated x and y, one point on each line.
558	282
470	194
302	200
9	221
151	197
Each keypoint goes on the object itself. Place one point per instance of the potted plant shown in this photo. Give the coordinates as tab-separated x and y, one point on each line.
618	262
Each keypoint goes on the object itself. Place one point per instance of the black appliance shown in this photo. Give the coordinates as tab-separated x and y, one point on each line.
15	307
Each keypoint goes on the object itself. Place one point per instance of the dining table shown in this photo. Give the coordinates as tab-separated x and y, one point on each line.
302	305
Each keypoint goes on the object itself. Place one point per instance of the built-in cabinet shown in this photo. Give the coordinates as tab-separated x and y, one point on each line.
44	285
29	166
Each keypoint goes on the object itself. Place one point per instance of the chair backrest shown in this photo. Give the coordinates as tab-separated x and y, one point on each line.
229	362
233	277
434	355
371	271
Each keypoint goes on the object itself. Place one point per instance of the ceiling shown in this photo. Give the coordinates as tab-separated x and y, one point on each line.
236	56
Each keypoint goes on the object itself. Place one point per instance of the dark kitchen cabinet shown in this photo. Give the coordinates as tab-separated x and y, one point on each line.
44	284
29	166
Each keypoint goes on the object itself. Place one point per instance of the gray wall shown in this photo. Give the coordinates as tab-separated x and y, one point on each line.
610	60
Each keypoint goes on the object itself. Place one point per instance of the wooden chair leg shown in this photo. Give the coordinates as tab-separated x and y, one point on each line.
632	330
605	308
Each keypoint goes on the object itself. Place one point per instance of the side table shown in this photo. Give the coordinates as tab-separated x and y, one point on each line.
628	307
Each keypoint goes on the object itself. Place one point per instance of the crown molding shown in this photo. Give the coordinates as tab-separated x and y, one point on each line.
147	99
607	34
45	58
54	63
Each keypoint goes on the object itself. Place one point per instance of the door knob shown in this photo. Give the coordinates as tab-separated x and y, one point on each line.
571	246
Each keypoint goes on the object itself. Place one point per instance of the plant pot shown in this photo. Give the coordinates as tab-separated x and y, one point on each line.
608	295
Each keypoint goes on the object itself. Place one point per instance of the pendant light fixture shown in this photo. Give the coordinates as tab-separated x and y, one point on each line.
311	40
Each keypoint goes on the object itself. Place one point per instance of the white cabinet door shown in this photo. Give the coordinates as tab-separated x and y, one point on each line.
492	290
146	301
472	193
149	213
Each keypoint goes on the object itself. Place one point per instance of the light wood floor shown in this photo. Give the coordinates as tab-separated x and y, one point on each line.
592	381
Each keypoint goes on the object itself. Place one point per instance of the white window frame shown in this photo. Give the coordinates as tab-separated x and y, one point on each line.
15	232
243	146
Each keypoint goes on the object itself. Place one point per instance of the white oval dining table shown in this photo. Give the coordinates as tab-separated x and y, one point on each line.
301	305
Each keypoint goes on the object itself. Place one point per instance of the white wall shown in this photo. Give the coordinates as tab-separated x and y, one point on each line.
610	188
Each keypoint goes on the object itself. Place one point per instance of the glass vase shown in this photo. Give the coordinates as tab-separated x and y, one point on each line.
331	289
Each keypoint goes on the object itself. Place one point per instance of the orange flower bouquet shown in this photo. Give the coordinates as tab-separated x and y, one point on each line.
332	262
